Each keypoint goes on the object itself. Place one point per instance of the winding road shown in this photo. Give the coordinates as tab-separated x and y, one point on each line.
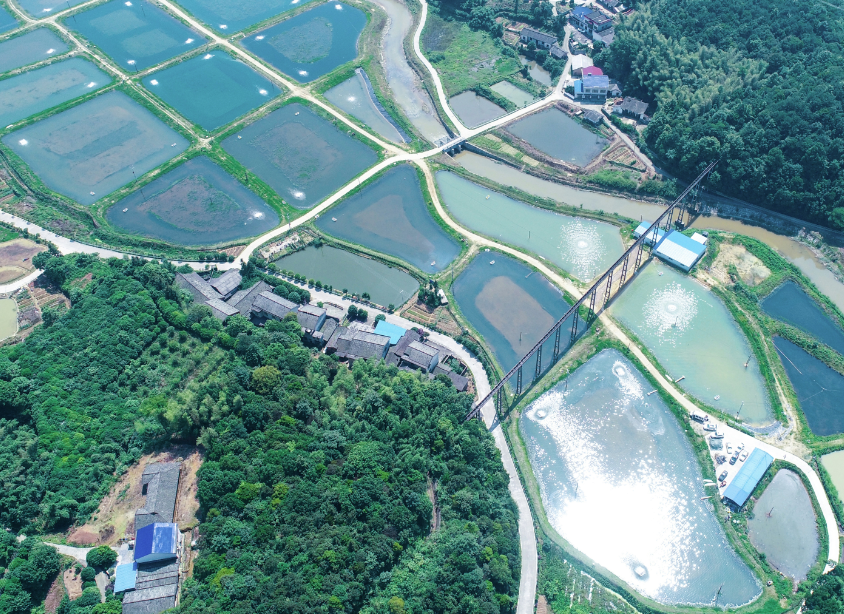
527	586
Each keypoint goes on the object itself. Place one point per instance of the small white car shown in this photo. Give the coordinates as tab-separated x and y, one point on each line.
743	456
729	448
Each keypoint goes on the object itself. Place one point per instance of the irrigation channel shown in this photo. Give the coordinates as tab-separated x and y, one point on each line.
528	580
665	220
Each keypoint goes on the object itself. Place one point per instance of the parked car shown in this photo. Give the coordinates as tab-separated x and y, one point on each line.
723	476
743	456
729	448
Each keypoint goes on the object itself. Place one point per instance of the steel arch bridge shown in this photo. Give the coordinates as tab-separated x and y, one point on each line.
591	296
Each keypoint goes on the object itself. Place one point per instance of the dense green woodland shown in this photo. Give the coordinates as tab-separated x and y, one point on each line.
758	84
315	492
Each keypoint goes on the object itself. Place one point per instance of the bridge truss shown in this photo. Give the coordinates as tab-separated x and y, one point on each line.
592	295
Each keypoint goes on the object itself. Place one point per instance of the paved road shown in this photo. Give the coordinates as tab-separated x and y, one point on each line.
77	553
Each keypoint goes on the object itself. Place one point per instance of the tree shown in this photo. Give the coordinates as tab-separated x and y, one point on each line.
265	379
101	557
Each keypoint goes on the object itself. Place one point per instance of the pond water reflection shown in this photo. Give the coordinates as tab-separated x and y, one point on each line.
474	110
557	135
791	304
620	482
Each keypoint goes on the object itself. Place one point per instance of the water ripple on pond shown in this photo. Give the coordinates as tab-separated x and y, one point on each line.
670	309
582	245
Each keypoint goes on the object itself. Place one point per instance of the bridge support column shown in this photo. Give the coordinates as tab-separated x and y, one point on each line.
623	272
638	262
574	326
591	307
608	291
538	369
519	382
499	400
557	342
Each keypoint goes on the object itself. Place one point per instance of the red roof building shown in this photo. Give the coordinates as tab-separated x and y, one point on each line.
592	71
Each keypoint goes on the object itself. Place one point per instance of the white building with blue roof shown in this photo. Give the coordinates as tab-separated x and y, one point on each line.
649	240
680	250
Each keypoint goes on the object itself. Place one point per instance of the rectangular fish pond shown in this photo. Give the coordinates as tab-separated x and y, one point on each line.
818	387
230	16
557	135
300	155
691	333
792	305
584	248
783	526
353	97
620	482
390	216
343	269
514	94
197	203
34	46
41	9
92	149
7	21
512	307
37	90
135	34
474	110
211	90
312	43
834	465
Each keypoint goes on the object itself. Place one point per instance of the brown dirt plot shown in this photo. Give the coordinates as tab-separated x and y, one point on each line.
750	268
16	258
72	583
54	596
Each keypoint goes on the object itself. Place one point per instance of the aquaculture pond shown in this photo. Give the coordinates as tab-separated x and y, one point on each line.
8	318
834	465
343	269
94	148
404	84
44	88
135	34
783	526
354	97
557	135
512	307
300	155
584	248
792	305
474	110
7	22
537	73
390	216
197	203
34	46
44	8
817	386
694	337
211	90
514	94
229	16
620	482
312	43
594	201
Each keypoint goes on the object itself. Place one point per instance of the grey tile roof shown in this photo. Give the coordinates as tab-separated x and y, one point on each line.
273	305
162	486
328	328
331	344
220	309
593	117
557	51
537	35
309	316
242	299
420	354
634	106
226	283
198	287
460	382
150	600
356	344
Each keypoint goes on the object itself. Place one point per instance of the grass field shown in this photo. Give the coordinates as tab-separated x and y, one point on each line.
465	58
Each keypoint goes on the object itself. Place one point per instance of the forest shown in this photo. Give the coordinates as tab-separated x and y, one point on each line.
319	488
759	86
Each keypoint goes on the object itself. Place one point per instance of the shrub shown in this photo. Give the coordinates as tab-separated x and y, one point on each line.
102	557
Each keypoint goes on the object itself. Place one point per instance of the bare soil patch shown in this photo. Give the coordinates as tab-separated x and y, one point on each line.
54	596
72	583
17	255
115	517
749	267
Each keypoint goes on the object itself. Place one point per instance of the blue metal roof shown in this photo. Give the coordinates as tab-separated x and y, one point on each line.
156	541
125	577
390	330
686	242
596	81
748	476
581	11
578	86
642	229
680	250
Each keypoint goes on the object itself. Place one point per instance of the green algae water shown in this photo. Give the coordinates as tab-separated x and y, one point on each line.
474	110
834	464
8	318
211	90
584	248
514	94
94	148
556	134
230	16
34	46
783	526
353	97
390	216
342	269
312	43
818	388
512	307
197	203
791	305
135	34
300	155
620	482
692	334
50	86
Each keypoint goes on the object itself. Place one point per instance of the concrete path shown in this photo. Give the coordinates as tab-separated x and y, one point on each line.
77	553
